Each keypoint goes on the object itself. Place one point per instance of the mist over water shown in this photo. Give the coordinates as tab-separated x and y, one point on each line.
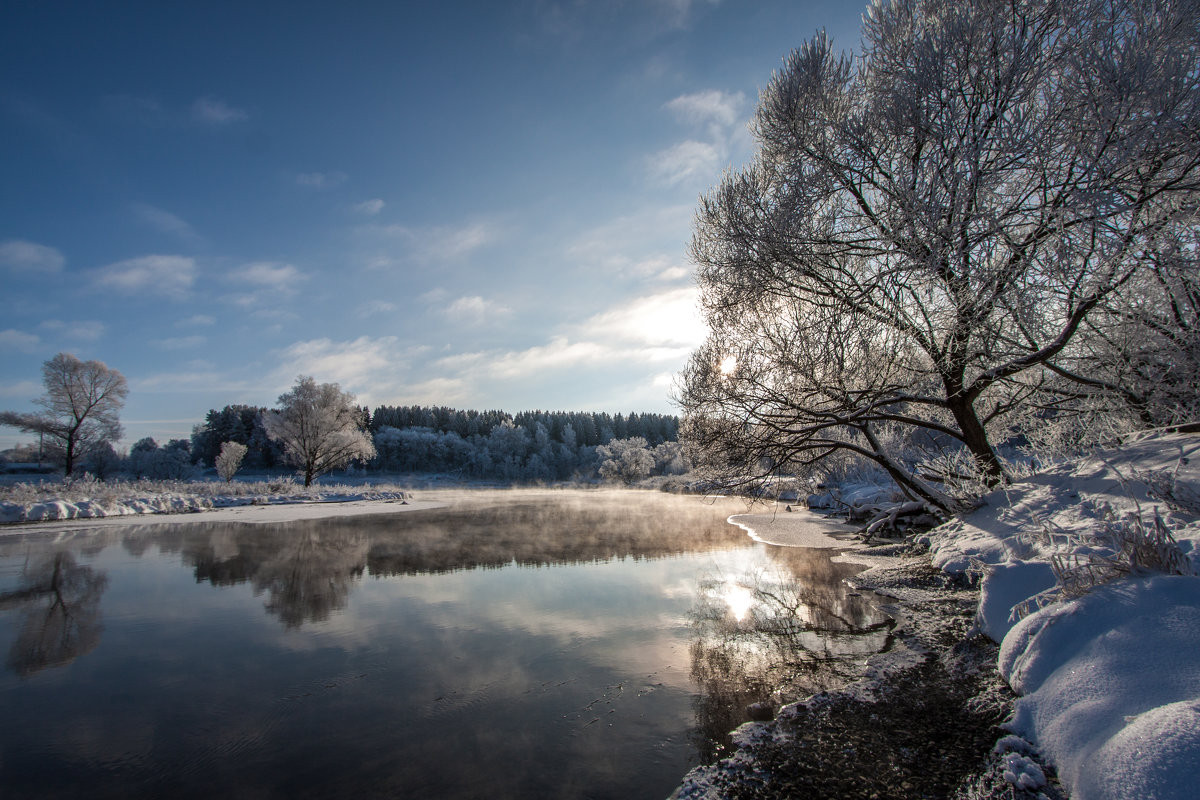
514	644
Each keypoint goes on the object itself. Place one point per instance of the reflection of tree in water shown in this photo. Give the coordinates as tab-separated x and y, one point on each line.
306	570
770	637
59	602
311	576
534	529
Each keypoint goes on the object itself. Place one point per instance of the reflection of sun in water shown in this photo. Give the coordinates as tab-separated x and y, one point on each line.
728	365
739	599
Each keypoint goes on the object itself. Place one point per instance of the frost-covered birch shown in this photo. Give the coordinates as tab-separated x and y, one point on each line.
320	428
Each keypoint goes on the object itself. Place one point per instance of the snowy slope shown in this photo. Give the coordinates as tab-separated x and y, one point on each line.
1110	680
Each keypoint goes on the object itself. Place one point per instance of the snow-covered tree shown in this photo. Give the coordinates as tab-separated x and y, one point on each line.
927	231
82	407
628	460
320	428
229	460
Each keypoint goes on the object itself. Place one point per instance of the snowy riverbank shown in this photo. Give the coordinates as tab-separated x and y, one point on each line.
26	507
1108	681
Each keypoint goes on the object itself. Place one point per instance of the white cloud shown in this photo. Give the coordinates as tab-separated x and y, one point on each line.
181	343
19	340
635	245
269	275
439	243
20	388
370	207
474	310
656	331
171	276
560	353
710	107
684	161
374	307
18	254
321	180
435	391
212	111
717	113
667	321
164	221
197	375
85	330
196	319
358	365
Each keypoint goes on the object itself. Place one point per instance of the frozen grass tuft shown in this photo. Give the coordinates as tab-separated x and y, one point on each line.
1126	545
74	490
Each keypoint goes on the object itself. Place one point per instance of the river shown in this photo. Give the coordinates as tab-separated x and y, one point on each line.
516	643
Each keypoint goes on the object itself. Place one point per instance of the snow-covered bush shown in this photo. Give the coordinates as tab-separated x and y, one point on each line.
628	460
229	460
1125	545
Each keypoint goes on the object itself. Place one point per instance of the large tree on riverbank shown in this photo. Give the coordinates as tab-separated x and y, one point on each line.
929	232
81	407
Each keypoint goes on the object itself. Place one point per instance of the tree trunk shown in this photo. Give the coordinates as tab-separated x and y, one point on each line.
70	456
975	439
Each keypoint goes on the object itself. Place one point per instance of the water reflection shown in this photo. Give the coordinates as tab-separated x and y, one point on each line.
541	637
308	569
775	634
59	607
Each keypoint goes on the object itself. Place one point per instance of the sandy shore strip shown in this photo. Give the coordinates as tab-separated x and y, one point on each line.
797	528
248	514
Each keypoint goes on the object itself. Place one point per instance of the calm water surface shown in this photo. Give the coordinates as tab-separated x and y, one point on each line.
516	644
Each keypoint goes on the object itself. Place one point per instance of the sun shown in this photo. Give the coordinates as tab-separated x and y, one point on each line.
728	365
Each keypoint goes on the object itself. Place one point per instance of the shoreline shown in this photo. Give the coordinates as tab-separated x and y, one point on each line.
923	720
248	513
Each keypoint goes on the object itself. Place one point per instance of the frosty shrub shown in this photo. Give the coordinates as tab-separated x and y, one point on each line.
1164	485
88	488
229	460
1126	545
628	460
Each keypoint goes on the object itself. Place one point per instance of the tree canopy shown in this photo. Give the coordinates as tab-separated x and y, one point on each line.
320	428
935	237
81	407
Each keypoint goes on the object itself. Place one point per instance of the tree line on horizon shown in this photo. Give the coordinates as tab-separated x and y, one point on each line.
529	445
318	427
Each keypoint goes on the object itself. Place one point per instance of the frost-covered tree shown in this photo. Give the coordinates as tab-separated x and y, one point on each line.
229	460
918	255
320	428
627	460
81	407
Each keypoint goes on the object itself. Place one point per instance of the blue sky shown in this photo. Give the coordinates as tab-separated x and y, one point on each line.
483	205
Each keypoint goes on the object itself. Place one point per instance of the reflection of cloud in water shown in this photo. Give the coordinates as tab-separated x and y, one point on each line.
410	642
308	569
776	632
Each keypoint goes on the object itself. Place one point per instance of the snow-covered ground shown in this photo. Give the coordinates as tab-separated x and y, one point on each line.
1109	681
22	505
1107	669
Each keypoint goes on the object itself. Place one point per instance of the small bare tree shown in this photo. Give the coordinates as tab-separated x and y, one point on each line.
926	233
82	406
320	428
229	460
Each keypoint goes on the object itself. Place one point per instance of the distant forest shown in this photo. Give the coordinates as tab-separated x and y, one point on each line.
532	445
